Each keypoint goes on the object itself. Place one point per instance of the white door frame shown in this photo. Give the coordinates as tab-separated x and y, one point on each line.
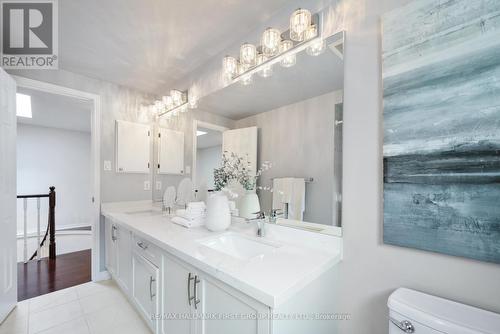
206	125
95	157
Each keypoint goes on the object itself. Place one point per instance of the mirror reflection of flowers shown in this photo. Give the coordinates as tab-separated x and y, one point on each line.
239	169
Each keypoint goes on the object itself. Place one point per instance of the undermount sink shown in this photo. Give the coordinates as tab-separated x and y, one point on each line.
239	246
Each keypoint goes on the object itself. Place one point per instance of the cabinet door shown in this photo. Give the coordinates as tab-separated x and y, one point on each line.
220	301
110	245
145	289
124	258
177	288
132	147
171	152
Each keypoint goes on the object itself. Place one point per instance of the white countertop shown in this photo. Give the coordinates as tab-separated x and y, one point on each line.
271	278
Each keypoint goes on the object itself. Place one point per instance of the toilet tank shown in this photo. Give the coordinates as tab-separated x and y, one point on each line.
425	314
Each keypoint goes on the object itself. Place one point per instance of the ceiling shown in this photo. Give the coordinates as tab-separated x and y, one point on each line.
150	44
210	139
57	111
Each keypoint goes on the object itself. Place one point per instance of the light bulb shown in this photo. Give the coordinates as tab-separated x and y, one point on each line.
248	54
230	66
270	41
168	102
300	20
266	70
290	60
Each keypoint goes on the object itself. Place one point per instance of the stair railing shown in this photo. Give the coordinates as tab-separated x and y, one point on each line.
50	230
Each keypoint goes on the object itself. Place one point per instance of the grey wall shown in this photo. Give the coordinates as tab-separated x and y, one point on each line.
299	141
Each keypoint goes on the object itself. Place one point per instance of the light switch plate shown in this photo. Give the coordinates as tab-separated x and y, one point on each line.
158	185
107	165
147	185
188	170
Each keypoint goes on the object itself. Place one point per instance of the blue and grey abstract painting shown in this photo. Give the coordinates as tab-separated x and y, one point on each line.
441	77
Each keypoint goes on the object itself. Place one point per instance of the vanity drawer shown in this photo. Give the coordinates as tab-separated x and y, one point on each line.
147	250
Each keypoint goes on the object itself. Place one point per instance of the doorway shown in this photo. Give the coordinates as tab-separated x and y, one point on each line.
57	146
207	155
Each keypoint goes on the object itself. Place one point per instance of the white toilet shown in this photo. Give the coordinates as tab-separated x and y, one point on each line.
415	312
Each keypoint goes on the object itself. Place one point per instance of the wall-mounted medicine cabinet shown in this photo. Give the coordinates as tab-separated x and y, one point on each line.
132	147
170	151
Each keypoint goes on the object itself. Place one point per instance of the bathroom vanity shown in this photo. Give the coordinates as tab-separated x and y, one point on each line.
195	281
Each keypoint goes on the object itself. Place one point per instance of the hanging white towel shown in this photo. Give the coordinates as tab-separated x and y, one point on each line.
292	191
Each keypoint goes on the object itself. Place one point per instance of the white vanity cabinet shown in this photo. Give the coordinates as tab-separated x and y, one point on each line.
146	287
119	254
195	303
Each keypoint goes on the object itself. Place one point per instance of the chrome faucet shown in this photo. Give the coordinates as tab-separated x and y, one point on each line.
274	215
261	223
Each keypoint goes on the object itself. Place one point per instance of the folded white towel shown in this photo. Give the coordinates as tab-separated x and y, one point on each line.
196	205
189	215
188	223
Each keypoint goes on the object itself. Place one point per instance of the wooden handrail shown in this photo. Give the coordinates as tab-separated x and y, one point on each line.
33	196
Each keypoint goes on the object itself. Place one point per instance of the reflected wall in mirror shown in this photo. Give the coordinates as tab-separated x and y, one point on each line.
293	120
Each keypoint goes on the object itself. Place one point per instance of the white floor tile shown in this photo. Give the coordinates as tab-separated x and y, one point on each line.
54	316
77	326
91	288
52	299
91	308
102	300
117	318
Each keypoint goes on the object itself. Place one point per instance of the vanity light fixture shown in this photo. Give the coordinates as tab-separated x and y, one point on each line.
276	47
270	41
171	105
300	20
289	60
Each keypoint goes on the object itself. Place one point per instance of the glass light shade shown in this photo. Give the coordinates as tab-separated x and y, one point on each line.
299	22
316	48
290	60
159	106
168	102
177	97
311	32
270	42
230	66
248	54
266	70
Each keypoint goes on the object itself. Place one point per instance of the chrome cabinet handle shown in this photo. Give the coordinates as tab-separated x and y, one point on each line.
151	281
142	245
196	300
405	325
190	278
113	236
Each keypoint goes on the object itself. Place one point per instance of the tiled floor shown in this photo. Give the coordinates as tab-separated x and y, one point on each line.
90	308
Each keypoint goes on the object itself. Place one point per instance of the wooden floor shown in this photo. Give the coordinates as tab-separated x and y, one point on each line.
37	278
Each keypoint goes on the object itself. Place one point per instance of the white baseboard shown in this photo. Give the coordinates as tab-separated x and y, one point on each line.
101	276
